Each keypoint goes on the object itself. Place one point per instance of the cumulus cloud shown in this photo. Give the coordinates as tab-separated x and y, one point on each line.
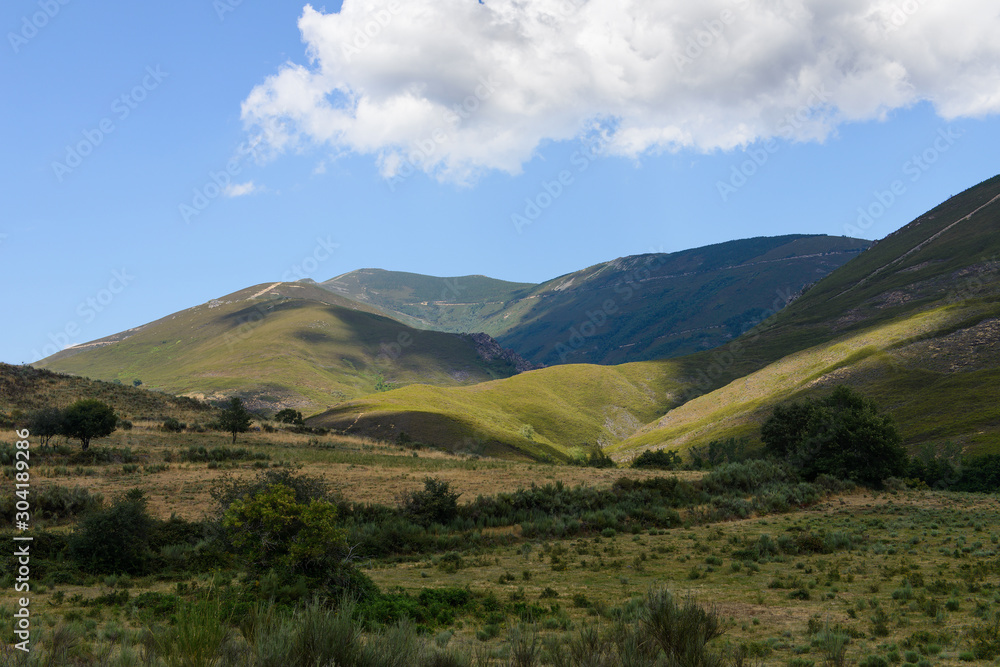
455	87
240	189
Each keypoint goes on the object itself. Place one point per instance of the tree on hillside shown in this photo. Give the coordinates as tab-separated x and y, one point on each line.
45	423
88	418
289	416
235	418
844	435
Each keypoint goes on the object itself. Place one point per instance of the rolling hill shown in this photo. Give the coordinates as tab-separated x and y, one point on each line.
284	345
912	322
24	388
630	309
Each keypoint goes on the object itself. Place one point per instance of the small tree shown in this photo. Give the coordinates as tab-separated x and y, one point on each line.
289	416
437	503
843	435
45	423
88	418
114	540
235	418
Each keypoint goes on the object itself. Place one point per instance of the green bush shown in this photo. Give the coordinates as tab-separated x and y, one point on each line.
662	459
843	435
682	630
114	540
437	503
172	425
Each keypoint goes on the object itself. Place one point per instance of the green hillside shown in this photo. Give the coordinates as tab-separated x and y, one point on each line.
280	345
24	388
560	411
630	309
912	322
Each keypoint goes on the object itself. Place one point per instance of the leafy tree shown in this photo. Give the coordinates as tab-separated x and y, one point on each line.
437	503
114	540
271	529
843	435
289	416
665	459
235	418
88	418
45	423
137	382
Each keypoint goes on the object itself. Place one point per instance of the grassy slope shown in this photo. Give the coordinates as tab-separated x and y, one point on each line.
660	304
863	325
294	345
880	323
559	411
23	388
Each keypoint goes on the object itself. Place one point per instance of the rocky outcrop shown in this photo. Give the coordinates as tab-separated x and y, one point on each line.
488	349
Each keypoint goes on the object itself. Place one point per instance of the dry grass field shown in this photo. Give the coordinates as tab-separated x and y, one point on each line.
909	576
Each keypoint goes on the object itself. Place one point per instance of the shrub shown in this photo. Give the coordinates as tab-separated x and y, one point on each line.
596	459
437	503
289	416
171	425
114	540
682	630
661	458
271	530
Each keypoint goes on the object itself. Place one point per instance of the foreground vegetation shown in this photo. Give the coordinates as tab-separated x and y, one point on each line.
776	570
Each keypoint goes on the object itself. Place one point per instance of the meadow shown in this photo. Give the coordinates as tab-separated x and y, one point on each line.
794	574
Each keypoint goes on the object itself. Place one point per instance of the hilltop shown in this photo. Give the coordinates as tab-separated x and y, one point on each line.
632	308
283	345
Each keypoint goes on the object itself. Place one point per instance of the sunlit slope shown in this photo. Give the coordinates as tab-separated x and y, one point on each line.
280	345
558	411
911	322
908	321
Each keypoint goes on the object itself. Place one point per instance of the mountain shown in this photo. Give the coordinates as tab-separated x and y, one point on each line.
285	345
634	308
912	322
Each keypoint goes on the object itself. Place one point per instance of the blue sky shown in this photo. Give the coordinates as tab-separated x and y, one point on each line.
121	118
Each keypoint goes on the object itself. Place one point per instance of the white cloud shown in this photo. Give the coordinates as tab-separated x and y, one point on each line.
240	189
456	87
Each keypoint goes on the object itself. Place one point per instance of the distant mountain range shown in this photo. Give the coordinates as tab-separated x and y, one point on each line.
629	309
311	346
285	345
